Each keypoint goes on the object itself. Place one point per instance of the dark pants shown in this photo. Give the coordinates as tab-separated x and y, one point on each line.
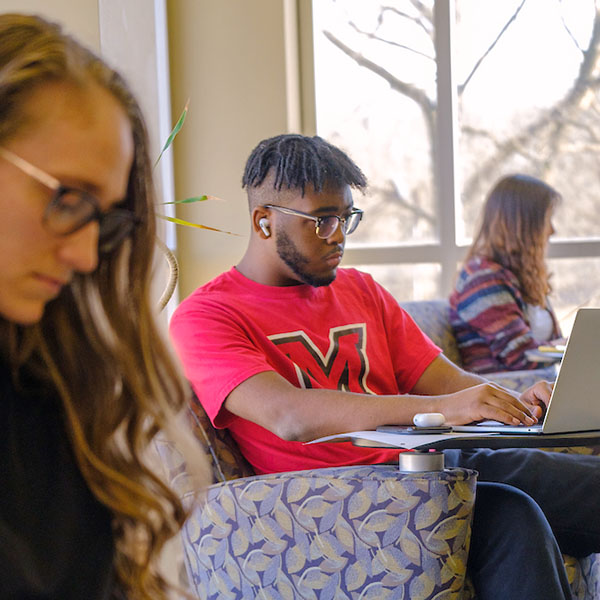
530	506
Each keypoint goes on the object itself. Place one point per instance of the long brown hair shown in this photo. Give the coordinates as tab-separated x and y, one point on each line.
513	229
97	344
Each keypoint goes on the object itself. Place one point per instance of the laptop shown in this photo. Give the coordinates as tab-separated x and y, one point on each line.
575	402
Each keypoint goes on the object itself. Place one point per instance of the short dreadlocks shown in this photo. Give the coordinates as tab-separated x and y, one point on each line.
298	161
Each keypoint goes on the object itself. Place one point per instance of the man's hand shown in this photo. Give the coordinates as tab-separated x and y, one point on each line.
491	401
464	397
537	398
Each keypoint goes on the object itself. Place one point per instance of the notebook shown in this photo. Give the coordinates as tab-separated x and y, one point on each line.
575	402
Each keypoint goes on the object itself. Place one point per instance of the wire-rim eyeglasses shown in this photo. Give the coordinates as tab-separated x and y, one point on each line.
71	209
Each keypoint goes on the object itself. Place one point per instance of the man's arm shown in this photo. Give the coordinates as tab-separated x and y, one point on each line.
297	414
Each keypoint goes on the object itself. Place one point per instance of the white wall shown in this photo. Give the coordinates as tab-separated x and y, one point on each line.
79	17
229	59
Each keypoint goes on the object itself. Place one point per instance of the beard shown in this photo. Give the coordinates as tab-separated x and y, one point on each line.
297	262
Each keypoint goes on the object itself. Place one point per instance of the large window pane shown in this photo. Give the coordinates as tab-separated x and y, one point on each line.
375	96
528	85
407	282
575	283
528	102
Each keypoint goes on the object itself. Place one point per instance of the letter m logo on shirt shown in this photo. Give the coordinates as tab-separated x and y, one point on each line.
344	366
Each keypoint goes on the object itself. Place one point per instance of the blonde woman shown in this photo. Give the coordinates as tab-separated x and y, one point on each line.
86	379
499	308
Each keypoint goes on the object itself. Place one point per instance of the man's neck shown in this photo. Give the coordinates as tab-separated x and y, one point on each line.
257	270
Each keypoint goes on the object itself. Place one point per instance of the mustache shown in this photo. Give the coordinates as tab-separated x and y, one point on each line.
337	250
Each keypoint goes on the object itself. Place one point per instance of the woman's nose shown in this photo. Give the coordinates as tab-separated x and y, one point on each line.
79	250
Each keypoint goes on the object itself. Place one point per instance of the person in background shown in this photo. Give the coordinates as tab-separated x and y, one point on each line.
499	308
86	380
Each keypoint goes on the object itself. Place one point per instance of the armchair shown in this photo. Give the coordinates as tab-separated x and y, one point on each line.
343	532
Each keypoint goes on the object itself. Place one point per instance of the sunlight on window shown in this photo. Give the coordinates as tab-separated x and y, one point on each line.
364	81
530	105
527	75
407	282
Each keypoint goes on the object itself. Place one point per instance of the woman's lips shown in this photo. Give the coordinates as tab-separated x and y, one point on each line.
52	285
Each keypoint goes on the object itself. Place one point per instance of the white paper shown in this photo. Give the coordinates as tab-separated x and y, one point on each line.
398	440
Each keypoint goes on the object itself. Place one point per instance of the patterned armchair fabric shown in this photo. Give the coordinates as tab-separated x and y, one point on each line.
346	532
343	532
432	317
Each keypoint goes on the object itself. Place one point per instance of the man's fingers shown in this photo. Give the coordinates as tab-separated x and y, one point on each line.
508	414
538	394
515	406
538	411
505	407
490	401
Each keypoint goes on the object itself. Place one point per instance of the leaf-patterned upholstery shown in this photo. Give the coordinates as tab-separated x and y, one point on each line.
432	318
343	532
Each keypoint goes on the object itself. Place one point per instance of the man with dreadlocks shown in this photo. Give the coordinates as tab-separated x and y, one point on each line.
287	347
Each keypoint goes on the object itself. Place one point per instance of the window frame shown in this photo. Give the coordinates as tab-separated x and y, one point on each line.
446	252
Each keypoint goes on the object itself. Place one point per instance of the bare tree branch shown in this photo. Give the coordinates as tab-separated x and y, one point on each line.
462	87
391	194
584	130
412	206
568	30
373	36
425	24
570	102
580	148
549	137
557	128
423	9
426	105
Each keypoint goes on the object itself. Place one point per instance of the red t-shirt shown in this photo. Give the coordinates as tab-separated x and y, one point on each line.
350	335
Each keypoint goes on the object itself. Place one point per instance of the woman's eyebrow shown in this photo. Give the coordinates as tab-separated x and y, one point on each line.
90	188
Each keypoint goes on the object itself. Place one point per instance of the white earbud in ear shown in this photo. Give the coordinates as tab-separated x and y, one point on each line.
264	225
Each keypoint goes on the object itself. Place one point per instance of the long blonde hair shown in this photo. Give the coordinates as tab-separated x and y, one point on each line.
97	344
512	232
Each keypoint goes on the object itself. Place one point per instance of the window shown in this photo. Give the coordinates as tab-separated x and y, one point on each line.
435	101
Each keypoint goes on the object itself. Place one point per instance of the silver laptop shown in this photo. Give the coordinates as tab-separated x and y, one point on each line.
575	402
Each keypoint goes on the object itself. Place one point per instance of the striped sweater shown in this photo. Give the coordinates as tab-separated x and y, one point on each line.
489	319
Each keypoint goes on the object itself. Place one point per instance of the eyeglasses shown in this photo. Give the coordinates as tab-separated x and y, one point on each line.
325	226
71	209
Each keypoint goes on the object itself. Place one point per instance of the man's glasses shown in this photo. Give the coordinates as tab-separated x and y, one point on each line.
325	226
71	209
